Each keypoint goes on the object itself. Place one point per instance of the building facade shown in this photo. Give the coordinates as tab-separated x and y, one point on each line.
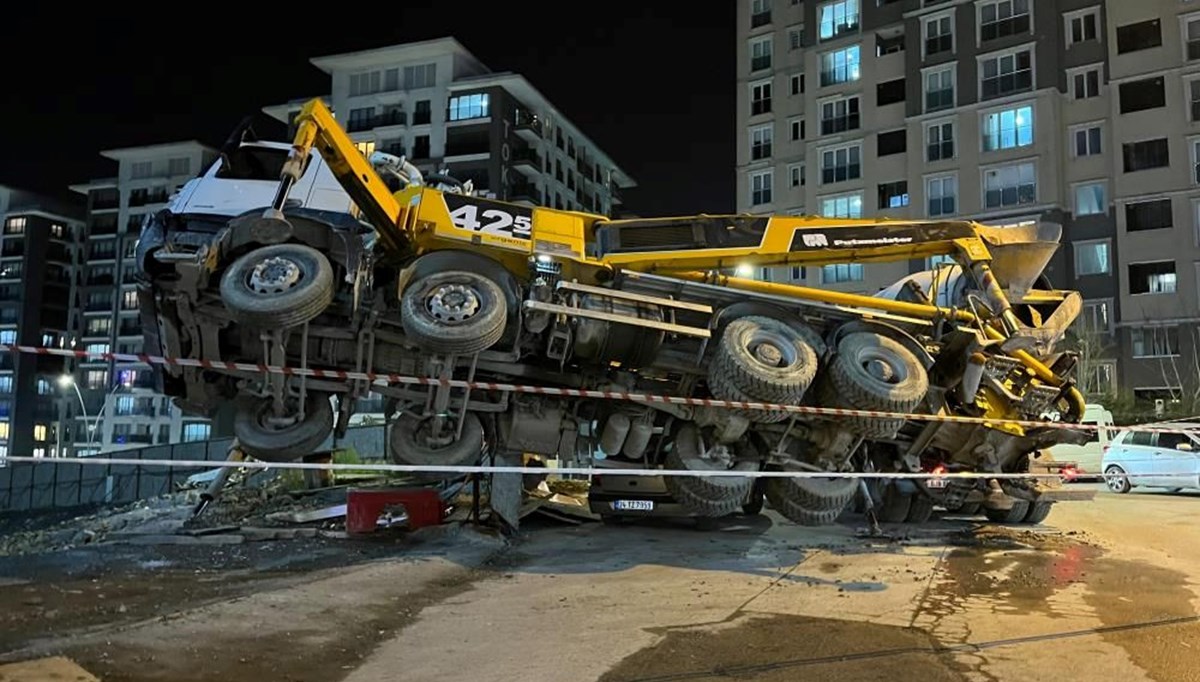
1082	113
120	406
39	252
434	103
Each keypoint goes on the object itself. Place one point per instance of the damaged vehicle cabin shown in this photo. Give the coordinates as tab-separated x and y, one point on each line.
349	263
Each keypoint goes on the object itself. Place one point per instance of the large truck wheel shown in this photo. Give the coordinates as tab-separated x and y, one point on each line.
708	496
874	372
413	441
811	501
278	286
767	359
1014	515
262	435
721	385
893	506
920	509
454	311
1038	511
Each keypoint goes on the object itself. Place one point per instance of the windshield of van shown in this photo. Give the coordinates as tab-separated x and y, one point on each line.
250	162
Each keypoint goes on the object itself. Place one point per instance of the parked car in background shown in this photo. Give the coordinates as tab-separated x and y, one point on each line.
1087	457
1154	460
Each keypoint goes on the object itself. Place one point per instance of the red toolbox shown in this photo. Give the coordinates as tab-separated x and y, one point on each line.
422	506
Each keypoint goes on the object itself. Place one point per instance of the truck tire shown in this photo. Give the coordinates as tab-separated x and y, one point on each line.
278	286
893	506
969	509
709	496
264	441
454	311
721	385
767	359
410	446
811	501
920	509
873	372
1038	511
1016	514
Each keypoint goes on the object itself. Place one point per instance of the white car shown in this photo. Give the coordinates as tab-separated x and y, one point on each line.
1155	460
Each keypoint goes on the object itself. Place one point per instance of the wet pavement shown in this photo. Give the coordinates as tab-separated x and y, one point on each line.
1106	590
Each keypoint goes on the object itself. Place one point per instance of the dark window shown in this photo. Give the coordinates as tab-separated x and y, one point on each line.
893	194
1152	278
839	116
1150	93
1003	18
1143	438
892	142
889	44
941	142
249	162
421	147
1146	154
938	36
1140	36
1008	74
798	84
889	92
1148	215
423	113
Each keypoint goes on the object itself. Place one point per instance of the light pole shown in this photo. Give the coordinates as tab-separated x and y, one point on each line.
65	381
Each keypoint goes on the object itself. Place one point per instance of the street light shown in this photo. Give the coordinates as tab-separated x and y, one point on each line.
66	381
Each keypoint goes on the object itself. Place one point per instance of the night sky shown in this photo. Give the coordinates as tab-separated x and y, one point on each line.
651	83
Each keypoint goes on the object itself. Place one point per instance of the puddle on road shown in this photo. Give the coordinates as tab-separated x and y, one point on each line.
779	648
1008	572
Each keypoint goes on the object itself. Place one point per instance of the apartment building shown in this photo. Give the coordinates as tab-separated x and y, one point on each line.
39	241
120	407
1083	113
436	104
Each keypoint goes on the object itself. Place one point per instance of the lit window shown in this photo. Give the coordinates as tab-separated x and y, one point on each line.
6	383
44	387
39	432
129	300
3	429
97	379
842	272
842	206
840	66
1092	258
8	336
1008	129
98	349
1090	199
194	432
837	18
15	225
468	106
1152	278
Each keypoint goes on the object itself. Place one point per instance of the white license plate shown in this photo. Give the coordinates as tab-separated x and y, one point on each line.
936	483
633	505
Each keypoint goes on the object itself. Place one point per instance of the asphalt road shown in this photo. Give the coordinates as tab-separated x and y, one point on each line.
1106	590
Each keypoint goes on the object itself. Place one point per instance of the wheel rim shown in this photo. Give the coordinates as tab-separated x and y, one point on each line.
882	367
453	303
697	456
270	423
1115	480
275	275
770	348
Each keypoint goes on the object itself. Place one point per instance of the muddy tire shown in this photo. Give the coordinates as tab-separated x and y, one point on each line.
874	372
454	311
261	439
811	501
709	496
767	359
278	286
920	509
721	385
409	445
893	506
969	509
1014	515
1038	511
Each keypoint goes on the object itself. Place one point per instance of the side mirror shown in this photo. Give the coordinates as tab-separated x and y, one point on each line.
1185	447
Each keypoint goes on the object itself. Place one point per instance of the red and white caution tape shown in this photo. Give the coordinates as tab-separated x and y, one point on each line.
648	398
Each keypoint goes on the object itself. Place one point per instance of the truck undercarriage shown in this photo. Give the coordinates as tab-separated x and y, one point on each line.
444	285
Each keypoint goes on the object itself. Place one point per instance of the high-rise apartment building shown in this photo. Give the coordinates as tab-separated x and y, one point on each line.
121	408
436	104
39	239
1083	113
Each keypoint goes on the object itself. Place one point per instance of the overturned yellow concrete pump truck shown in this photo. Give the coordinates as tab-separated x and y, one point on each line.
426	279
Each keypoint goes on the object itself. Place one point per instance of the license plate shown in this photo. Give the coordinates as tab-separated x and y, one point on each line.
936	483
633	505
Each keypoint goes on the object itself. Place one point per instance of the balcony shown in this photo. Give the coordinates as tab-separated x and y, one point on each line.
395	149
129	329
467	147
760	19
104	225
105	201
96	254
97	306
133	438
528	127
13	247
525	191
527	161
141	197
